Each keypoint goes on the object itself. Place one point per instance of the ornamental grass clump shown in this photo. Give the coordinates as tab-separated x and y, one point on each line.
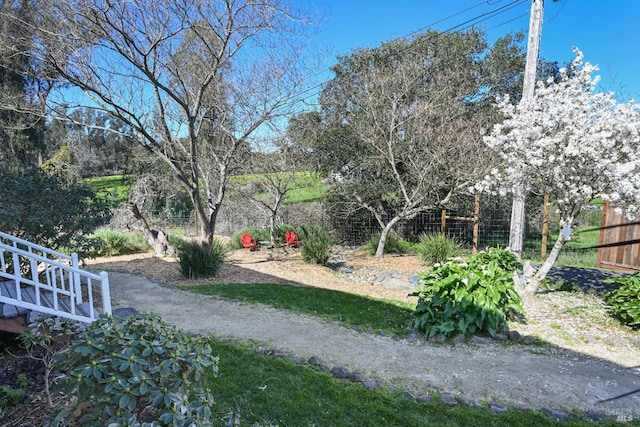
434	248
393	245
315	244
472	297
198	260
137	370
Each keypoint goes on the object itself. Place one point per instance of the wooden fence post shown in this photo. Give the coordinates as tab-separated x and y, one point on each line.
476	220
545	227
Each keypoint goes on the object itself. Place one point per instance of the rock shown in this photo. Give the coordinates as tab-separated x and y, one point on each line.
497	408
595	415
413	279
371	384
339	372
424	399
514	336
459	339
556	413
529	340
479	340
500	337
397	283
298	360
263	351
436	338
314	361
413	337
279	353
356	377
124	311
448	400
408	395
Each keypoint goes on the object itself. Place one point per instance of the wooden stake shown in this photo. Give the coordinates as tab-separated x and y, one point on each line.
545	227
476	220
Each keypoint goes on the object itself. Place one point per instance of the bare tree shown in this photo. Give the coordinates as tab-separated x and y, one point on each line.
274	172
402	126
194	80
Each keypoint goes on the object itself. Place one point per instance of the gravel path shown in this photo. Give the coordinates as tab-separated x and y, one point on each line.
518	375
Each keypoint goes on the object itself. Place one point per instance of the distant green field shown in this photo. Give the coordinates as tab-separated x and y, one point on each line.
305	187
114	188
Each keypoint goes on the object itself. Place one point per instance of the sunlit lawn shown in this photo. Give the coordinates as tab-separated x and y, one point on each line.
393	317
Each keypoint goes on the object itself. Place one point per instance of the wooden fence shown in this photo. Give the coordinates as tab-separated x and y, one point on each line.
618	232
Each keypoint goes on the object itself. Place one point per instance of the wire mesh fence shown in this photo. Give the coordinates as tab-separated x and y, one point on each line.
355	230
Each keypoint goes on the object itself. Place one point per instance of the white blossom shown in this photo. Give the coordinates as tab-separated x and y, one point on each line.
571	141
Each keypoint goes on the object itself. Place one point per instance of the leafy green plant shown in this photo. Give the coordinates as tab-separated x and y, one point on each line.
433	248
49	210
257	233
625	300
476	296
201	260
13	396
125	371
114	243
393	245
315	244
560	285
48	337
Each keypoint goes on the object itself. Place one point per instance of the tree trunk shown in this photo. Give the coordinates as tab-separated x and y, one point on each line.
516	231
156	238
383	237
534	282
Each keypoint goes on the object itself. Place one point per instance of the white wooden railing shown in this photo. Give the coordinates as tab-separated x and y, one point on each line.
46	281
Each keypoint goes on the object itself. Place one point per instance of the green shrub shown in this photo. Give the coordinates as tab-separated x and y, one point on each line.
435	249
114	243
477	296
199	260
257	233
393	245
49	210
314	245
10	397
624	301
125	371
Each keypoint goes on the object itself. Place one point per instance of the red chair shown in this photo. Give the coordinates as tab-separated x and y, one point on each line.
248	242
291	239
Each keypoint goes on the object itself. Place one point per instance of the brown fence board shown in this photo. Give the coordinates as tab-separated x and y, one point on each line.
616	228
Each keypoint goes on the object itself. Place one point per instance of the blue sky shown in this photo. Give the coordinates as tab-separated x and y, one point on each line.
606	31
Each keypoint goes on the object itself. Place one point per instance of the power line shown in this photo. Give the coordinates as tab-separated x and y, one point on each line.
510	20
473	21
491	13
419	30
564	3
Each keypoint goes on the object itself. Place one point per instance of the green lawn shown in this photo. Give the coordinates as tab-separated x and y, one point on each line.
114	188
269	391
364	312
265	390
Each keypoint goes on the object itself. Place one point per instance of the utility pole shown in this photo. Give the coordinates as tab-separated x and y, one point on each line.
518	208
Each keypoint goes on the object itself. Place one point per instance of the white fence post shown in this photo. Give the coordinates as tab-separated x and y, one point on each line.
75	263
104	291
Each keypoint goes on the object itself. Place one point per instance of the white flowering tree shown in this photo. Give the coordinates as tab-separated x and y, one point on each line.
572	142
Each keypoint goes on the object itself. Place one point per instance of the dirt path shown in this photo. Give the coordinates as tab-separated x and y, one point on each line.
524	376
